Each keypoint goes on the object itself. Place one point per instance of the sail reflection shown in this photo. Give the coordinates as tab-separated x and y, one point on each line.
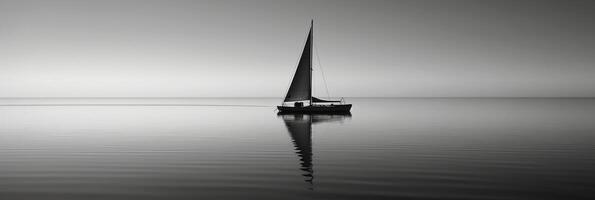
299	127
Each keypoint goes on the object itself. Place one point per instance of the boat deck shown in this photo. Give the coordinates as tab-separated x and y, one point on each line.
341	108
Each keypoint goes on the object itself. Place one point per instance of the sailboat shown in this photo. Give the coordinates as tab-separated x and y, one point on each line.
300	90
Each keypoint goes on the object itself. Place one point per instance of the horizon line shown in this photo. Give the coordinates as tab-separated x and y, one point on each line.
227	97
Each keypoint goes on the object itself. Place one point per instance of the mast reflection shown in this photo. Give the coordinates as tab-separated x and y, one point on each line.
299	127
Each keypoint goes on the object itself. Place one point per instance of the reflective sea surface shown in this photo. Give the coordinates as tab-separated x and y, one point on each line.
241	149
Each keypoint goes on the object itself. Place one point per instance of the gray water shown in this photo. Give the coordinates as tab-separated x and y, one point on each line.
241	149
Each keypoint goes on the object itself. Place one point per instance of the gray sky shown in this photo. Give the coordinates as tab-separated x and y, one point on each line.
250	48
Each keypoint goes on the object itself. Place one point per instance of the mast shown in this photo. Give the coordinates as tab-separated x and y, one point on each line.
311	44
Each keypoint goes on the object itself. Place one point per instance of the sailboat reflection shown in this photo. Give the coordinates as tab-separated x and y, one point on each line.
299	127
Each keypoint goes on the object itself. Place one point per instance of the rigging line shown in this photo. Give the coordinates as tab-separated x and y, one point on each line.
322	71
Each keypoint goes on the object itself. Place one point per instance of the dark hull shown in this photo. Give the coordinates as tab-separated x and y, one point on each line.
342	108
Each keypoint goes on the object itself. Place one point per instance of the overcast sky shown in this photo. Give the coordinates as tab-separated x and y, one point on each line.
250	48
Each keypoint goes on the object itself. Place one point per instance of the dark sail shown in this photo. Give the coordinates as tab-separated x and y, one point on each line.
317	100
301	85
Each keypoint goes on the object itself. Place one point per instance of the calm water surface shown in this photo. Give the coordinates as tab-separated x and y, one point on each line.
241	149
